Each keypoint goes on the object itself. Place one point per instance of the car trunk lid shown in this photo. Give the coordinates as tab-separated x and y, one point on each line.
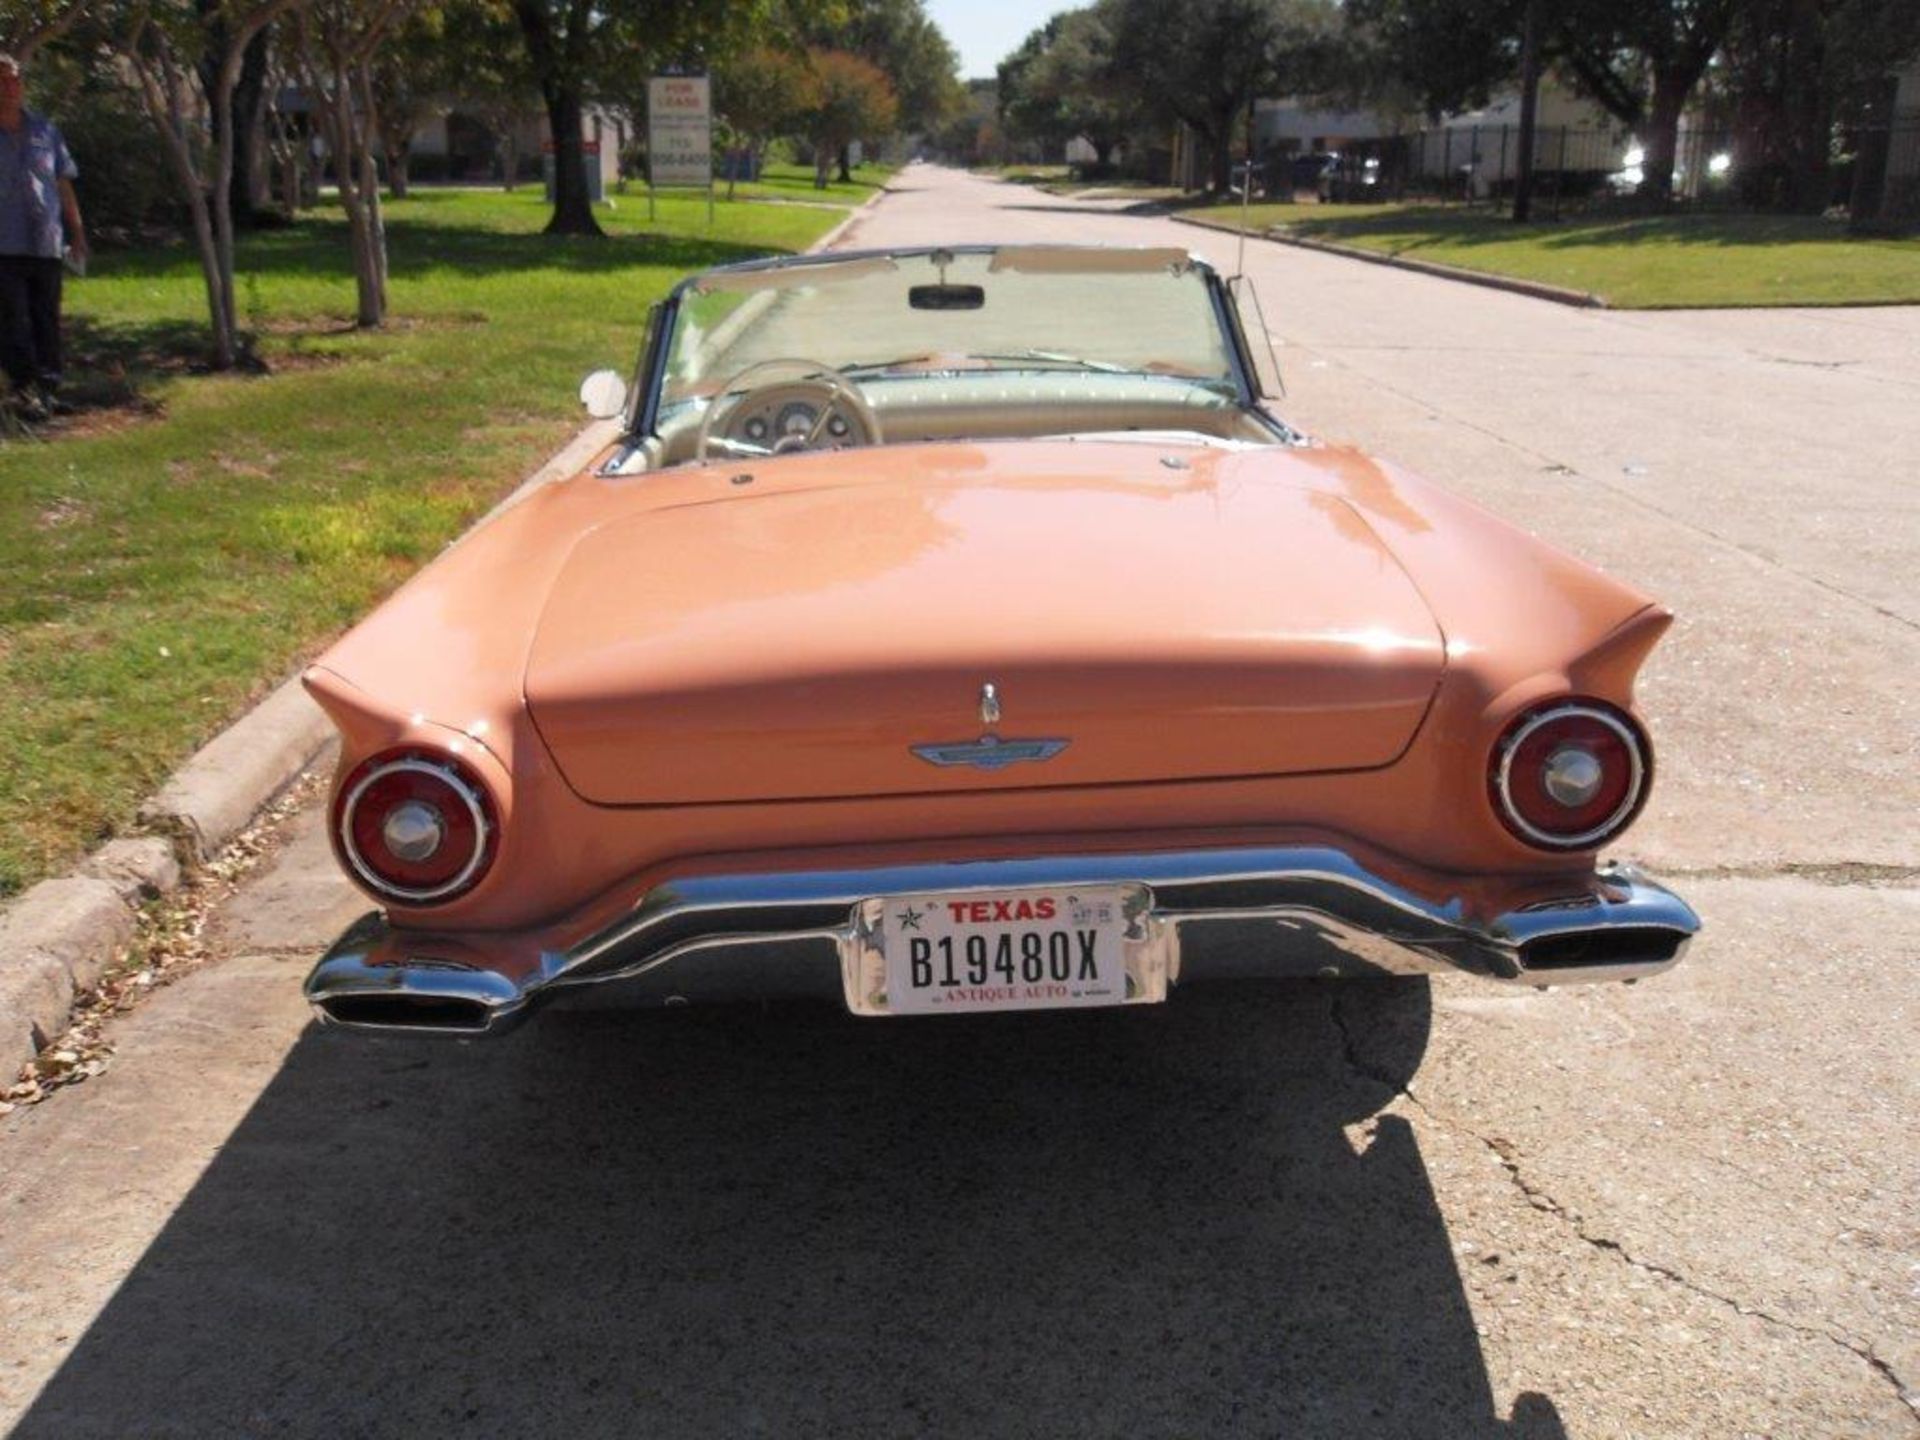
818	642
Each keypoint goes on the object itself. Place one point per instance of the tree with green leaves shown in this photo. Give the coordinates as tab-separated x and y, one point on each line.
337	43
1443	55
581	50
26	25
1640	62
489	73
1206	62
973	134
162	44
903	43
759	94
1061	84
411	77
1798	73
901	39
849	99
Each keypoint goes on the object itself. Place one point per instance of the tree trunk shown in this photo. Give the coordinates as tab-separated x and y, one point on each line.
1807	113
846	163
397	178
373	288
222	204
510	159
292	177
1662	140
245	193
168	121
1529	111
226	346
1220	157
572	208
349	128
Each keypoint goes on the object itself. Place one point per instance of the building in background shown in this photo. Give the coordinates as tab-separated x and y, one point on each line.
457	146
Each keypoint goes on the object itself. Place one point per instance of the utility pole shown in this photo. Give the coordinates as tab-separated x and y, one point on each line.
1529	101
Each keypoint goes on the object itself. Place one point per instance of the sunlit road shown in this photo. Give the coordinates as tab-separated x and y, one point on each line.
1685	1208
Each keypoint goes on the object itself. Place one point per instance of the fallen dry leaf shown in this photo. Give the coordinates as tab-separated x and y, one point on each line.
168	943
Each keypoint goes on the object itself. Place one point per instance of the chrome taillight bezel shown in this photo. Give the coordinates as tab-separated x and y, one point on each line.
466	787
1640	770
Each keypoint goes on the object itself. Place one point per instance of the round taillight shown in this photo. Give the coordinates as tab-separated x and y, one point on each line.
415	826
1570	775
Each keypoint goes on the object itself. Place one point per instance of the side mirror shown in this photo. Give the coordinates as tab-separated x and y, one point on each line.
604	394
1253	332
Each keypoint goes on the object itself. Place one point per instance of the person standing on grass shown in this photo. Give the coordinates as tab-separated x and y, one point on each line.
39	224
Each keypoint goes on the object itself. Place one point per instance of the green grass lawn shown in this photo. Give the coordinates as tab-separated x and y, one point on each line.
1065	180
186	539
1114	189
1634	262
1031	174
795	182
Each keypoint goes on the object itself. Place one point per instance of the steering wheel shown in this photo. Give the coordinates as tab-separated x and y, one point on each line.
828	384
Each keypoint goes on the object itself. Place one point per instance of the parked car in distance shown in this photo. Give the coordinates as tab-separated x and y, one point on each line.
956	631
1351	180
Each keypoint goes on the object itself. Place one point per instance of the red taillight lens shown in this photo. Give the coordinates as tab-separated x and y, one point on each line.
415	826
1570	775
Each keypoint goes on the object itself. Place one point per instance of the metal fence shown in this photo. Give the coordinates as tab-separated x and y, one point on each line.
1886	175
1873	172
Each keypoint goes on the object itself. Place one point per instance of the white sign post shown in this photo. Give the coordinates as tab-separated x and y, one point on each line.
679	135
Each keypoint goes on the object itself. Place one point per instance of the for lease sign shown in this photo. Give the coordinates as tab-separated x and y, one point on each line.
679	130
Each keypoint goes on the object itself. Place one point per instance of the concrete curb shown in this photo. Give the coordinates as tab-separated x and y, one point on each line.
210	799
839	232
58	938
1533	289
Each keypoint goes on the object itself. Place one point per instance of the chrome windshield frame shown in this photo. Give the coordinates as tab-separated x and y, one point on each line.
659	344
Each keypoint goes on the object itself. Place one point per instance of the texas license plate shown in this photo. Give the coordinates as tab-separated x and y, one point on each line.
959	952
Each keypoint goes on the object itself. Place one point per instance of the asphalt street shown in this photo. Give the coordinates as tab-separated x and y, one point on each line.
1684	1208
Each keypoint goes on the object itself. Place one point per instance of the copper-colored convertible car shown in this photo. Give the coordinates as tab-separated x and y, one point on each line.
955	631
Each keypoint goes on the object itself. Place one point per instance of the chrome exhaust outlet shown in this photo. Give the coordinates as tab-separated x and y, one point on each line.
1628	929
439	994
451	1014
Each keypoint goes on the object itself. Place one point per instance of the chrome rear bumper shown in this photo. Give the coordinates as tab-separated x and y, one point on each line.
1286	911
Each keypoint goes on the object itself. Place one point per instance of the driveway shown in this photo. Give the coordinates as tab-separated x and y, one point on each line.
1684	1208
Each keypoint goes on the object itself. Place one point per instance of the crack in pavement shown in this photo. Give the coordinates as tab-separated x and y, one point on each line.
1539	1199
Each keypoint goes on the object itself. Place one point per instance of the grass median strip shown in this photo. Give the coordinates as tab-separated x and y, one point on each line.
1632	262
185	539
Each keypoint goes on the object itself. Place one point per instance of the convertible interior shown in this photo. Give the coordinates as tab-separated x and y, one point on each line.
940	407
976	343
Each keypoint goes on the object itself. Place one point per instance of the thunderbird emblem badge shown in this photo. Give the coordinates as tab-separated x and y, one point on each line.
989	752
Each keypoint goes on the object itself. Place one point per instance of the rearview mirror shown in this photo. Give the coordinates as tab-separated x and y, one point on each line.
604	394
946	297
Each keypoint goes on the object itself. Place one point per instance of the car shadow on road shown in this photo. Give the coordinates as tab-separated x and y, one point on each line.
790	1222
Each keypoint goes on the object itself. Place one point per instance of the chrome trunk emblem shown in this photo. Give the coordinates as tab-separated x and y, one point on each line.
989	752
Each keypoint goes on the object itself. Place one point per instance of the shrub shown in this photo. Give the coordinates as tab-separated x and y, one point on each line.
126	188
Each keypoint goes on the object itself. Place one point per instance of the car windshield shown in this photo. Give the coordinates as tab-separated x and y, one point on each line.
960	315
